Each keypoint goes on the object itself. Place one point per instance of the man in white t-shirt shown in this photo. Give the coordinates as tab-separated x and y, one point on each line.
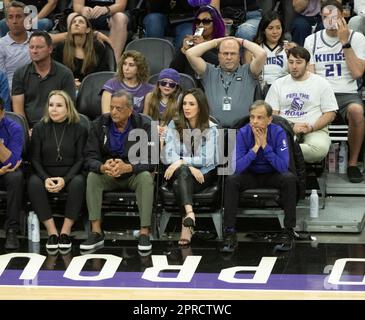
308	102
338	54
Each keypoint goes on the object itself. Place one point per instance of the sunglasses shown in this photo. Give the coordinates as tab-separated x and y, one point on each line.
171	85
205	21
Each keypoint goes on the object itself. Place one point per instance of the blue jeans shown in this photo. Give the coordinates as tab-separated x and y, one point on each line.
43	24
155	25
248	29
302	27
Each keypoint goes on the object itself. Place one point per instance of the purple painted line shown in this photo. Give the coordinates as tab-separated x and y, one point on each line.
199	281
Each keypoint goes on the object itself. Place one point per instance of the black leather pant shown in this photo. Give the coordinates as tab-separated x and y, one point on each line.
185	185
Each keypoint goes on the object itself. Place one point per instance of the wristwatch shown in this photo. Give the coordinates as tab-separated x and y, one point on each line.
346	45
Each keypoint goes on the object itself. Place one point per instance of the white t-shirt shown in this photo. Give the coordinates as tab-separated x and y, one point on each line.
359	5
329	60
276	64
302	101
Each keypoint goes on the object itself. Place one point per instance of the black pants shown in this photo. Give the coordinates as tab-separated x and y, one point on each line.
13	182
40	202
235	184
185	185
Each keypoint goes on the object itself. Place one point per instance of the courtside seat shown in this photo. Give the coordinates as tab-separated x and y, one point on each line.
206	203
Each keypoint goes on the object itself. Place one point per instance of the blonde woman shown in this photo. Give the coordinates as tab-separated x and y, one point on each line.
57	146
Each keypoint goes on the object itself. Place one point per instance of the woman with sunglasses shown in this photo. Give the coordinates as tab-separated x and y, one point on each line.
270	36
161	103
192	161
208	21
81	52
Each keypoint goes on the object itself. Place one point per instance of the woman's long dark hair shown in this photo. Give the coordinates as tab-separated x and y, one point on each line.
267	18
203	115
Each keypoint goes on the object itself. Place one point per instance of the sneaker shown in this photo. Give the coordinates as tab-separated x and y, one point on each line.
229	241
354	174
285	239
64	241
64	251
52	252
12	241
52	242
144	243
94	240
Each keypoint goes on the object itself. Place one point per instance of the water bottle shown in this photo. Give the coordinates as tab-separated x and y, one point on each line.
313	199
35	229
29	224
342	158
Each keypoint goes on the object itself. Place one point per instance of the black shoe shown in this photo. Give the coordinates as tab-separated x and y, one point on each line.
64	241
12	241
144	243
188	222
354	174
229	242
285	239
94	240
52	242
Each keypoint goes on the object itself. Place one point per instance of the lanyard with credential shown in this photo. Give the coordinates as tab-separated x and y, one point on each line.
226	88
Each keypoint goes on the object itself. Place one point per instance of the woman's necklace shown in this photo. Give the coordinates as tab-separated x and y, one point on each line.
58	144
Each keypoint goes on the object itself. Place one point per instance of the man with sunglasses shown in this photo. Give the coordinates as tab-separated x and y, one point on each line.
230	87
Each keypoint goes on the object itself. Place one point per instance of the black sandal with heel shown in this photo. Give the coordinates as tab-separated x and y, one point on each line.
188	221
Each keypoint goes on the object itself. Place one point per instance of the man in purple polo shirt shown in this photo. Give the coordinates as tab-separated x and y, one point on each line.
11	177
261	160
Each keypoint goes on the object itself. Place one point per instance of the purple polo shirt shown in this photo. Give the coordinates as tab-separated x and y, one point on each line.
139	92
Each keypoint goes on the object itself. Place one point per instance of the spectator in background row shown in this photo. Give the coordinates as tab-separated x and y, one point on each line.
81	52
252	15
210	20
105	15
308	102
307	19
132	75
14	51
230	87
357	23
39	20
57	146
4	91
33	82
338	55
168	17
191	164
270	36
161	103
11	176
14	47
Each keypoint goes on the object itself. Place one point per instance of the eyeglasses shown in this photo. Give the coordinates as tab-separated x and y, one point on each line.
204	21
171	85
